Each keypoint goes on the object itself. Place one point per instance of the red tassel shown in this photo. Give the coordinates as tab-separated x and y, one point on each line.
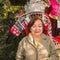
25	28
15	30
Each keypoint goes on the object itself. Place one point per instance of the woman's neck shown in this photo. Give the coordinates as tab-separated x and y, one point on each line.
36	38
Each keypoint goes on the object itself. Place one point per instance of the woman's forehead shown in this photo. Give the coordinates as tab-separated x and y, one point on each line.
38	22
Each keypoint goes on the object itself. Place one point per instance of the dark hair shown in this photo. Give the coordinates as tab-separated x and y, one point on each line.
32	21
48	9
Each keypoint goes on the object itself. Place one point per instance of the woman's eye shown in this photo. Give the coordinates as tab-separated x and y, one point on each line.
39	26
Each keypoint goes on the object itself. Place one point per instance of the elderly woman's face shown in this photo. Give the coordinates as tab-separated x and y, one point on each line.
37	28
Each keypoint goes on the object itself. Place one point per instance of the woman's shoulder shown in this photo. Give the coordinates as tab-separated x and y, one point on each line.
47	38
24	39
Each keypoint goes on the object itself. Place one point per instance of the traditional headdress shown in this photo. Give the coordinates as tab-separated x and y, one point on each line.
35	5
32	8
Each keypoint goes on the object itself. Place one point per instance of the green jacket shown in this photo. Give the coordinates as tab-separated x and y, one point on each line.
28	51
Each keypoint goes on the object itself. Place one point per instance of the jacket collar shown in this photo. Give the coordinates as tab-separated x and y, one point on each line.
43	39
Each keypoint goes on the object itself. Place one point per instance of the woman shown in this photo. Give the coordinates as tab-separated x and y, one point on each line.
36	46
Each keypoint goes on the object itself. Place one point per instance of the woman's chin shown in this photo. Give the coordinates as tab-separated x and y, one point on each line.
37	34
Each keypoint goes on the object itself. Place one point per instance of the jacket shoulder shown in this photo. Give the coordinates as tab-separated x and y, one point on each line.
47	38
